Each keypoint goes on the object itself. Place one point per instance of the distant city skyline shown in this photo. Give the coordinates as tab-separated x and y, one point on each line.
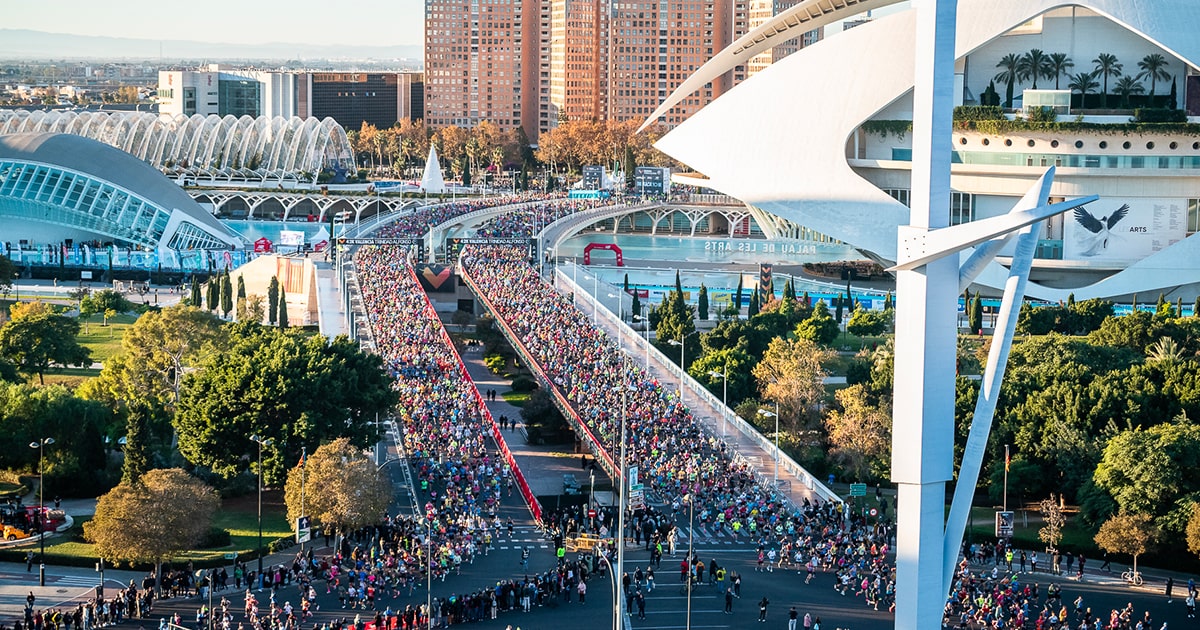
370	23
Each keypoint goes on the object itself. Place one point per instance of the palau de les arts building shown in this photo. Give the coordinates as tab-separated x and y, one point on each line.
821	138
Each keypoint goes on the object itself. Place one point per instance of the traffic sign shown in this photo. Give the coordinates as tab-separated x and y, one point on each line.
858	489
303	529
874	512
591	513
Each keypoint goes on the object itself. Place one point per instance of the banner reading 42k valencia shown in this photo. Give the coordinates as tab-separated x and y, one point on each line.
1123	230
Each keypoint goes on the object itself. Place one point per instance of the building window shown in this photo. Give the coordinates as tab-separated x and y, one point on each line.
899	194
1193	218
962	208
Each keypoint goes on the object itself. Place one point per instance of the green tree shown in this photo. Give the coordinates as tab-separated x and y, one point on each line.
1009	70
791	373
1059	64
157	351
263	384
1153	67
1193	530
636	304
887	302
183	508
1147	471
1084	83
194	299
1127	86
37	341
860	435
838	303
702	303
1132	534
976	315
466	172
273	300
735	361
753	308
340	486
226	295
241	293
8	271
212	292
1054	520
819	328
1107	66
1034	65
76	464
136	449
866	323
283	311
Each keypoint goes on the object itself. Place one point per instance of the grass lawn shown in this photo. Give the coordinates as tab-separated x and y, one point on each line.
516	399
104	341
238	515
70	377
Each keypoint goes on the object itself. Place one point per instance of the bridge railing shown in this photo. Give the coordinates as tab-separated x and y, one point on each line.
600	453
748	431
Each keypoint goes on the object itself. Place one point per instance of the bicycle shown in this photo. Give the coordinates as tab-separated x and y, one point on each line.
1132	577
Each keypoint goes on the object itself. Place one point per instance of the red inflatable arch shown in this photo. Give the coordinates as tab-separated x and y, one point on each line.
587	252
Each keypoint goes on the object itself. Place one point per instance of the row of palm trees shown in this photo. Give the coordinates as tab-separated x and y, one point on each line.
1037	64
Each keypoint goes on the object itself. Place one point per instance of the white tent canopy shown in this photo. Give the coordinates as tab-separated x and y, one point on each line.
431	180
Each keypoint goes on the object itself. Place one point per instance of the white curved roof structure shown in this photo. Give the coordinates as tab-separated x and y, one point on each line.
81	184
778	140
204	146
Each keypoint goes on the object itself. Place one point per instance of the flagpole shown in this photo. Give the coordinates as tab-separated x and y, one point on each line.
303	471
1006	460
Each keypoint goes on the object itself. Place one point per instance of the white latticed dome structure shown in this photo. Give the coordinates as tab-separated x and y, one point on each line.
205	146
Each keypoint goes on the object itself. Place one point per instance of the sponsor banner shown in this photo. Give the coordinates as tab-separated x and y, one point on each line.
1117	230
291	238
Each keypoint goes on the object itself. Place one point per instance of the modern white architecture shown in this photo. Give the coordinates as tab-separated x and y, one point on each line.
839	160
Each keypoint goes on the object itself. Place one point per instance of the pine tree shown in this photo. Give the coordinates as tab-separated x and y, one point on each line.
753	308
283	314
702	302
976	315
137	432
789	293
1196	307
194	300
837	313
241	294
887	301
273	300
466	172
637	304
1160	307
213	289
226	294
1070	300
807	300
1133	306
737	298
1178	307
678	285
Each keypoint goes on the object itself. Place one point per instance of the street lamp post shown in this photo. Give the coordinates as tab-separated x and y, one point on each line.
595	297
691	537
41	445
724	398
622	496
774	414
261	441
682	372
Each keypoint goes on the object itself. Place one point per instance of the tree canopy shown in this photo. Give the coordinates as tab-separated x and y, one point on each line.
279	384
36	339
167	512
343	490
1149	471
792	375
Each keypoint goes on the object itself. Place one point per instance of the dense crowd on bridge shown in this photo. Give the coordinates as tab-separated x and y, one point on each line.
527	220
676	459
418	222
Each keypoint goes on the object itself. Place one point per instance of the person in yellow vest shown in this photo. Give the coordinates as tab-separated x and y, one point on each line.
561	553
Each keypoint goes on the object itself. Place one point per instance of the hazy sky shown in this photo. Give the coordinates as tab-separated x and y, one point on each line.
365	22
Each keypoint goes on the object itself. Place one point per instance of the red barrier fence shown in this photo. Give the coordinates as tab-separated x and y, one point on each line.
535	508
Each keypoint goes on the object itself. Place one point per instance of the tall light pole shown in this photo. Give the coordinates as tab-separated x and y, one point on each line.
682	372
774	414
595	297
622	497
691	500
261	441
41	445
430	514
724	398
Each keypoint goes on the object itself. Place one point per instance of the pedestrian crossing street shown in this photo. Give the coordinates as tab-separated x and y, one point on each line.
84	581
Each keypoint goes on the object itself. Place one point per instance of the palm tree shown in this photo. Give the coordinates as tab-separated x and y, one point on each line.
1034	64
1008	75
1083	83
1106	66
1152	66
1125	86
1059	64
